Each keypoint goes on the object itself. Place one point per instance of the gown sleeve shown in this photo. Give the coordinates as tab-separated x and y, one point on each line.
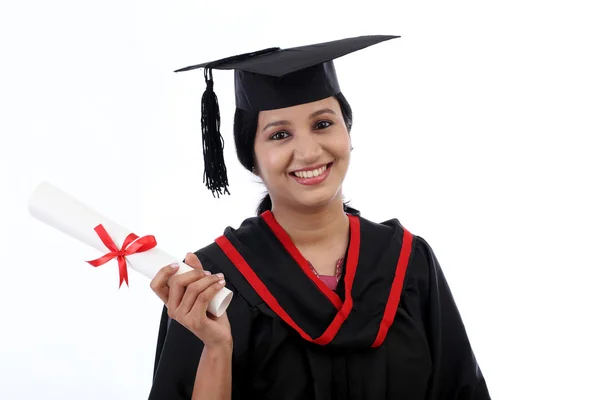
178	352
456	374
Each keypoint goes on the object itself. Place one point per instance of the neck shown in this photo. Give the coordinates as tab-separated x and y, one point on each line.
311	226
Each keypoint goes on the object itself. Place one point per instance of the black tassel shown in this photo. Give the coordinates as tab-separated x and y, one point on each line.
215	172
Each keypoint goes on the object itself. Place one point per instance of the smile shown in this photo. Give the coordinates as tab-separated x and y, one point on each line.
312	176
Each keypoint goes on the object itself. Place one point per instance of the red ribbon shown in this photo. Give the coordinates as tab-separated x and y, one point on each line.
143	244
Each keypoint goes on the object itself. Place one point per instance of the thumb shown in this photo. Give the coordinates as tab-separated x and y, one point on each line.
192	260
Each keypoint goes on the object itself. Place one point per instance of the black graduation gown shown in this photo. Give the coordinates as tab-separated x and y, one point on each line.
391	330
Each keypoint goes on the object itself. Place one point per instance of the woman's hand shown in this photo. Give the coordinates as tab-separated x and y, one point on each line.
187	297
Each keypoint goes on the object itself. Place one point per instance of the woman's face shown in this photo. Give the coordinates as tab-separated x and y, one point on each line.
303	152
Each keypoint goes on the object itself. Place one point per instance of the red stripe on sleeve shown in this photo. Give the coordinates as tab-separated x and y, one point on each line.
396	290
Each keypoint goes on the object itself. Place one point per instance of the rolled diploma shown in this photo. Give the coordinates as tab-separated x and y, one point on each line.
61	211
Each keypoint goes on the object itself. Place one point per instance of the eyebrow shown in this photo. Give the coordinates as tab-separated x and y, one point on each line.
321	112
285	122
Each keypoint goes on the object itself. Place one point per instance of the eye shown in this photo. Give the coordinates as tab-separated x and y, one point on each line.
323	125
279	135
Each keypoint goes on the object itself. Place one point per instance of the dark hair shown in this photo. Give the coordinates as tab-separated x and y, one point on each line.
244	132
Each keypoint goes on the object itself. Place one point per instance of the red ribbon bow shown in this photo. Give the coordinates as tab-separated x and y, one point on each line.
143	244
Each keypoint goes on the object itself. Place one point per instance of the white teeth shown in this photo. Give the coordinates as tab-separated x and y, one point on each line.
310	174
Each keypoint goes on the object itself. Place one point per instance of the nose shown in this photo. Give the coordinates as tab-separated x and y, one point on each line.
308	149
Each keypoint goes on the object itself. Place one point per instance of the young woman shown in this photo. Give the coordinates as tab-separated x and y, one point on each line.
327	305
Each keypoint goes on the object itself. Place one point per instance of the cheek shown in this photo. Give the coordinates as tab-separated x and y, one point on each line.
272	162
340	146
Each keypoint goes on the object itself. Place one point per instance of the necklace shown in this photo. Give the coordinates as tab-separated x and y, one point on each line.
338	269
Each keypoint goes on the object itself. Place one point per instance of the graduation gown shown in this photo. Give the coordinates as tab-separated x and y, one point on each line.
391	329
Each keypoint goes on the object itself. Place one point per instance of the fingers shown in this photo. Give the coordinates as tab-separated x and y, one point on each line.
177	287
199	289
204	298
186	291
159	282
193	261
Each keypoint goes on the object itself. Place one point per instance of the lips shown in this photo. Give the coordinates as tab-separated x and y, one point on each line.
312	175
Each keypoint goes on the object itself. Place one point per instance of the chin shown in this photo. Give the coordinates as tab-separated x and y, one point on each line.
320	197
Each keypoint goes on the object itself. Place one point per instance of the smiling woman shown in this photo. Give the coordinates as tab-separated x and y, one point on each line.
327	304
274	137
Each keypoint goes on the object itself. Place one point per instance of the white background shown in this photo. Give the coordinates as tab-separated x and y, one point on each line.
477	130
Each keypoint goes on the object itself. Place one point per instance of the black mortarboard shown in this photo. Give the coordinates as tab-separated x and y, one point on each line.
270	79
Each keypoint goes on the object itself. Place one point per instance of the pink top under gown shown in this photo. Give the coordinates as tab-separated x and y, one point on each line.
331	280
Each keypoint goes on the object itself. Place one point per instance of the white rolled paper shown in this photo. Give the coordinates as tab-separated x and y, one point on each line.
63	212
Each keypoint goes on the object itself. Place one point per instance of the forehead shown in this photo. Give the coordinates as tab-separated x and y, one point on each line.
301	111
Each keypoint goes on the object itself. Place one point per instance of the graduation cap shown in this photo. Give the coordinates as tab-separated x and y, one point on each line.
270	79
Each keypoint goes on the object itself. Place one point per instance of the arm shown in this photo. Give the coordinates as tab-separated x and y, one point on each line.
213	378
195	349
187	369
